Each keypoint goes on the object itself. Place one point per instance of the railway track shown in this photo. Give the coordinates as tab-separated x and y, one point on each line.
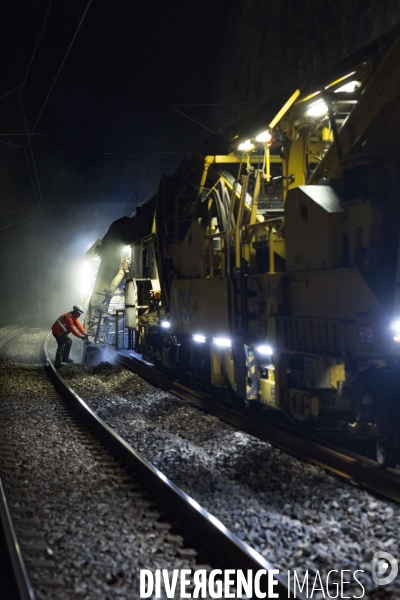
158	501
357	469
14	580
295	514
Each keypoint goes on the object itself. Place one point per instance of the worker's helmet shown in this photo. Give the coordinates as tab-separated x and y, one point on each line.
77	308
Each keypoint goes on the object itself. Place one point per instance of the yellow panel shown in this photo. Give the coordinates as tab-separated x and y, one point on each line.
217	377
229	367
326	134
336	373
246	252
314	409
267	391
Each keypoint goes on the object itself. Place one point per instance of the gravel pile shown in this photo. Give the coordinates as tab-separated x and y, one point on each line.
94	532
295	514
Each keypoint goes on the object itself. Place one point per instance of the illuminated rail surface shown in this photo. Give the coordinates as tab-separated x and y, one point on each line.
353	467
204	532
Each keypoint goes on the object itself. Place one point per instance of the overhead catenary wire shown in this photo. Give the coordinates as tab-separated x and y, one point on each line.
32	180
62	64
145	200
11	91
10	144
29	134
37	44
219	104
146	152
14	212
130	194
191	119
17	134
39	198
20	221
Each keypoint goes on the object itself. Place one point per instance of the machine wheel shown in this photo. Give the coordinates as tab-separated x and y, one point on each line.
385	454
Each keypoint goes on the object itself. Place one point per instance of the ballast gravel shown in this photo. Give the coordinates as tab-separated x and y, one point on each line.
295	514
85	530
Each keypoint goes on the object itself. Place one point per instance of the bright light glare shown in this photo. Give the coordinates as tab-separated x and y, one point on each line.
217	523
246	146
223	342
86	279
317	109
199	338
348	87
165	324
395	326
264	137
264	350
194	503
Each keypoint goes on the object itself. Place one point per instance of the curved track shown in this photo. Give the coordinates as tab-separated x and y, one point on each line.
205	533
15	583
352	467
195	520
14	579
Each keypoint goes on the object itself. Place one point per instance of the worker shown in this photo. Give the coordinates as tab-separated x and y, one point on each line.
66	324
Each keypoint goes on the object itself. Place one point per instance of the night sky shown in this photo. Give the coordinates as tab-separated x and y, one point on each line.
129	61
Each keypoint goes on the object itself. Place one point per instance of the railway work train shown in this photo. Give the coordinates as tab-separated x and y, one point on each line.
269	265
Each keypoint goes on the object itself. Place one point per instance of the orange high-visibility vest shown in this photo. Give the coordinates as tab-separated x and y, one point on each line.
68	324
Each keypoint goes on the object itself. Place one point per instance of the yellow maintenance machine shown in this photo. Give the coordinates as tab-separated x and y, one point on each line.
268	263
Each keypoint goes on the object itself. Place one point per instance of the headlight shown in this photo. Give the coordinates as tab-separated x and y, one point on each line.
223	342
395	326
266	350
264	137
199	338
317	109
247	146
165	324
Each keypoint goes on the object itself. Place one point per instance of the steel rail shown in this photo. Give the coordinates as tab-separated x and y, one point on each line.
209	532
358	469
18	565
11	335
19	570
